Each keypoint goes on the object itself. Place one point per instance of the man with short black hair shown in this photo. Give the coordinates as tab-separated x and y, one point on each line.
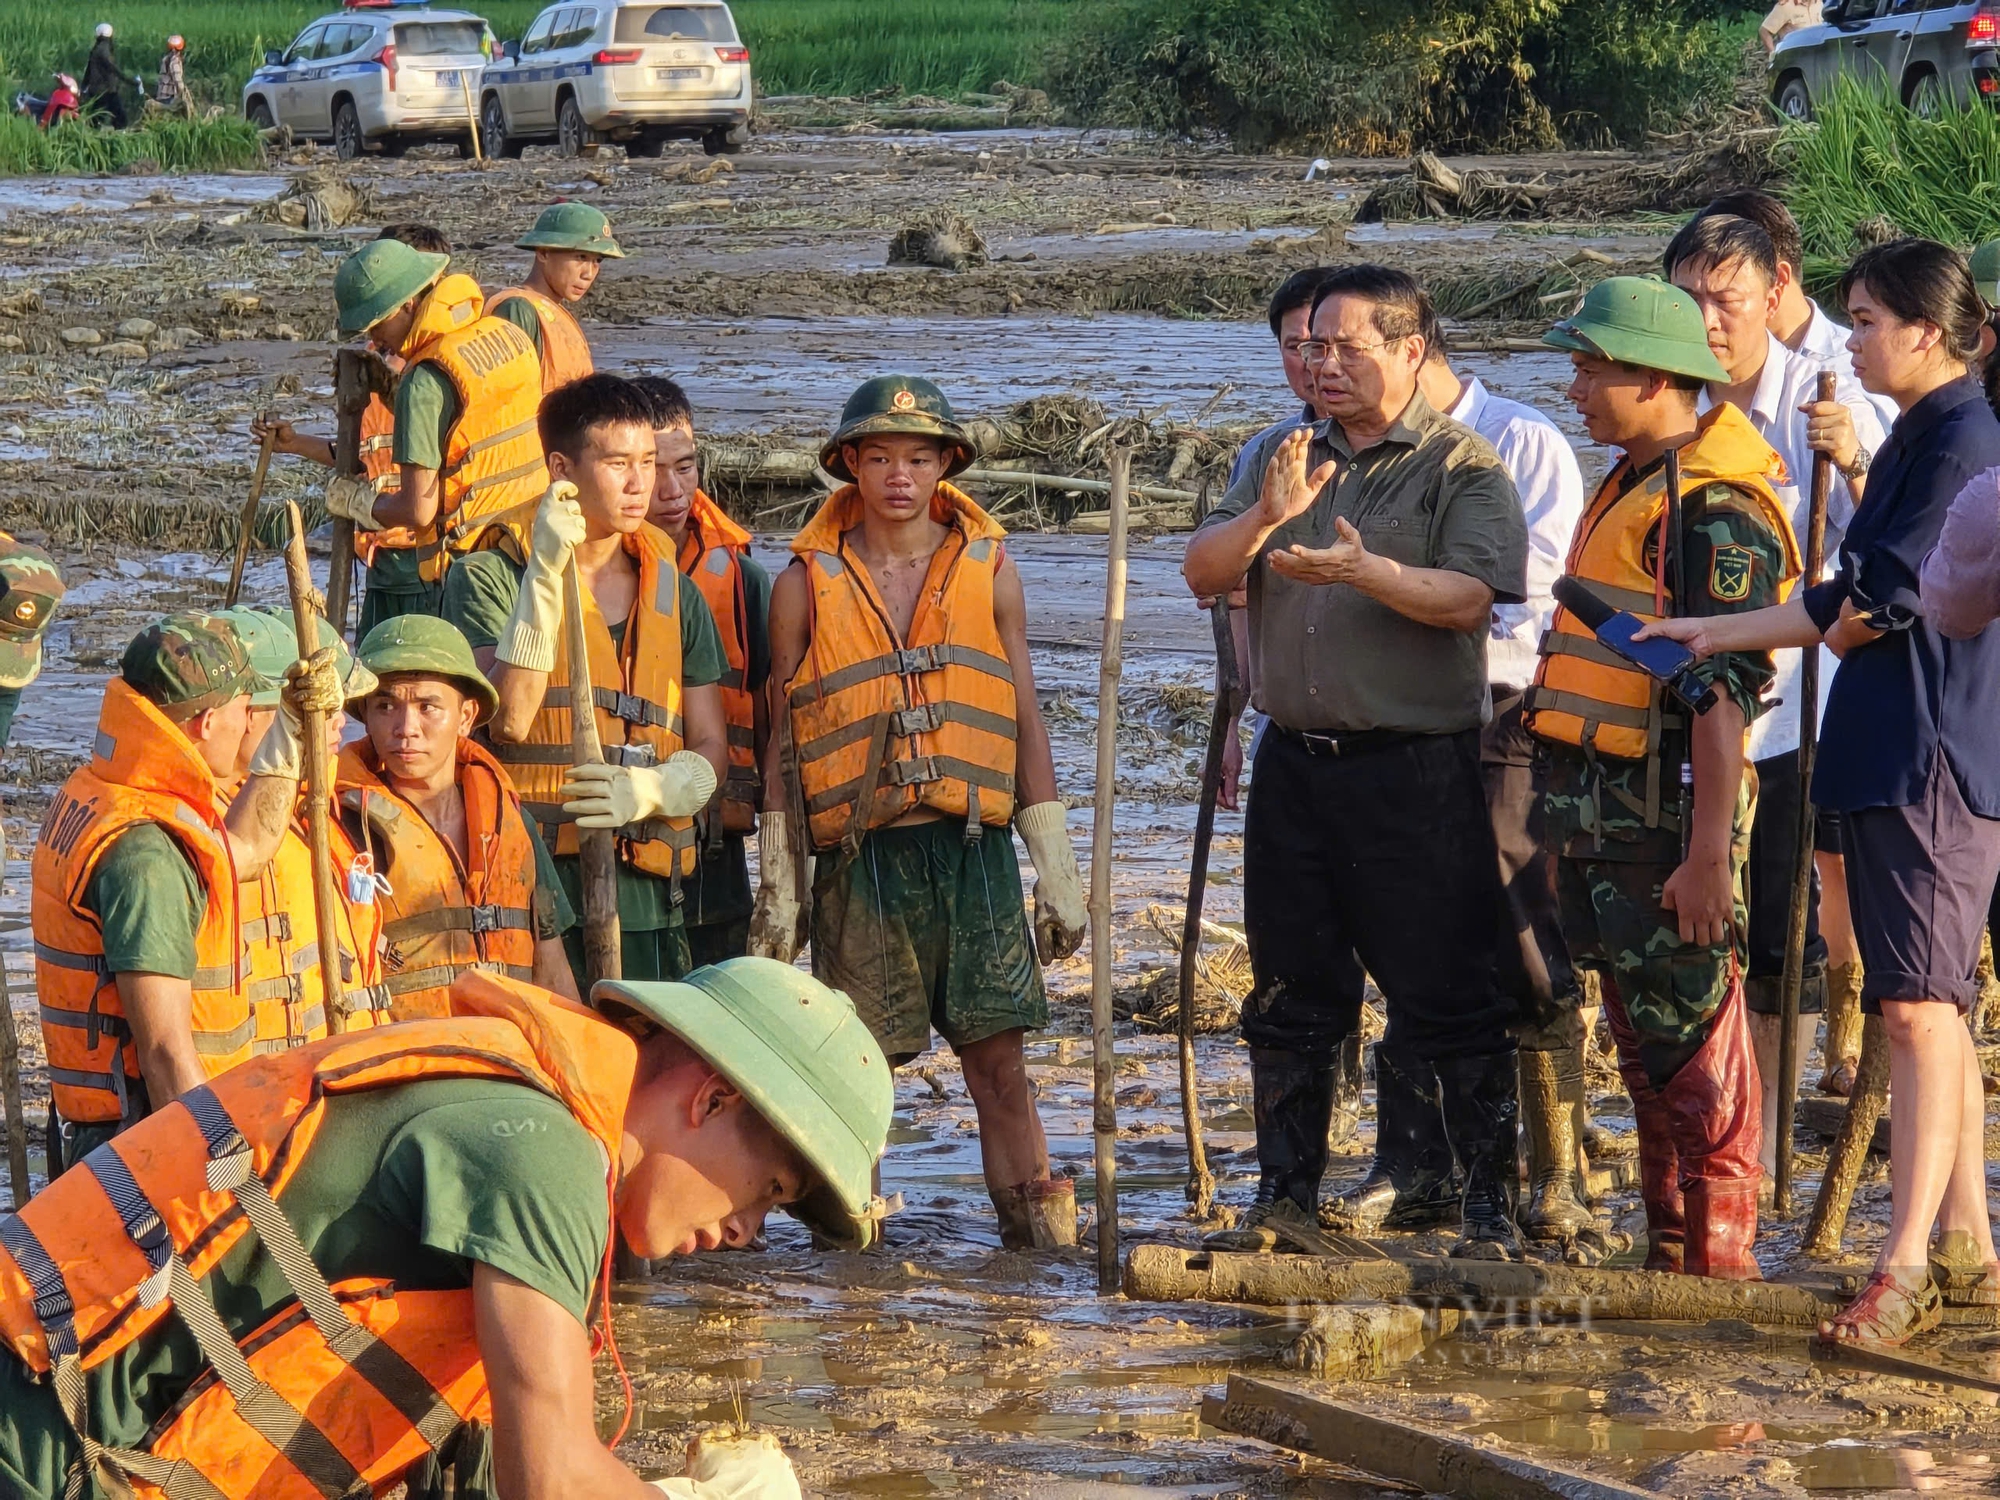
1375	547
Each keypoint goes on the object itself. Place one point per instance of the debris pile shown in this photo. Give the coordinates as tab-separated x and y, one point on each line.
316	200
941	238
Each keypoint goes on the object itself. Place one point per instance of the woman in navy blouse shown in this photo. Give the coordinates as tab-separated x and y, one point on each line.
1910	756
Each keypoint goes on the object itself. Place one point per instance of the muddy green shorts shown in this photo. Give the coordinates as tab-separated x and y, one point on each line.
923	930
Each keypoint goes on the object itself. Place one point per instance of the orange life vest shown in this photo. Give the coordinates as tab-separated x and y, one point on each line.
142	770
440	915
1584	694
638	720
344	1391
379	466
565	351
493	454
881	726
711	554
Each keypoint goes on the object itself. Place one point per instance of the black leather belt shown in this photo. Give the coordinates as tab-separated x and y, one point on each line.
1345	741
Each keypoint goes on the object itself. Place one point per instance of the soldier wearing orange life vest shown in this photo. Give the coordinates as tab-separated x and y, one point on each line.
571	242
655	666
715	553
465	881
466	445
909	744
139	955
332	1266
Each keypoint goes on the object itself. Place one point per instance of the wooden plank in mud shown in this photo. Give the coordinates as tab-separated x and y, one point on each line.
1912	1366
1822	1117
1443	1463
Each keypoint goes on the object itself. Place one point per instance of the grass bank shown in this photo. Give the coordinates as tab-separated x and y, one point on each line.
170	145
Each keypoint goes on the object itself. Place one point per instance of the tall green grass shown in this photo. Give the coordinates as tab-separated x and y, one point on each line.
175	145
1865	157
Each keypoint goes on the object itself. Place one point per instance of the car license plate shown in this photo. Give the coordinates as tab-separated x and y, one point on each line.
673	75
447	80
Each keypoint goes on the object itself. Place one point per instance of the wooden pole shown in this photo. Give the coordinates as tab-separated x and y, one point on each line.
1828	1224
603	938
357	375
1802	867
248	522
1104	1061
10	1081
1201	1181
471	116
318	778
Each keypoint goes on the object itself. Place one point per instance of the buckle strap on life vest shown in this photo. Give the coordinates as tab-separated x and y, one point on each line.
924	718
908	661
440	976
473	919
915	772
631	707
562	755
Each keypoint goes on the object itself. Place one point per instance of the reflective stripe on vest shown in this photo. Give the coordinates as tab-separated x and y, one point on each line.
439	917
711	554
341	1393
881	727
565	352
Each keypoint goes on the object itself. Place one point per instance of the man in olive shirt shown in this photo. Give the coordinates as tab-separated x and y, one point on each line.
1374	547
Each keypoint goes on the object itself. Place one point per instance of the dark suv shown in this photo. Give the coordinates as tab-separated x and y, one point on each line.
1927	51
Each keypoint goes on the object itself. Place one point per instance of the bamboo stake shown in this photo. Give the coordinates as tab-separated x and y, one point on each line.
603	938
1795	935
10	1080
248	523
318	778
471	116
1828	1224
1201	1181
1104	1061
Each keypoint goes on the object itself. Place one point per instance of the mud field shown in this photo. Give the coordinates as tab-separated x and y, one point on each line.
1117	273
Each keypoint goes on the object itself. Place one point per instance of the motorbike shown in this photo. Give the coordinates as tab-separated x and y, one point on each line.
63	103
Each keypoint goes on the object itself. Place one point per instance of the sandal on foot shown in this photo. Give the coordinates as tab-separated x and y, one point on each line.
1886	1314
1963	1280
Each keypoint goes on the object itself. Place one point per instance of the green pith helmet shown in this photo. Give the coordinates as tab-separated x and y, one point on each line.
268	635
802	1058
1639	320
33	587
430	647
897	403
188	663
1986	271
379	278
572	226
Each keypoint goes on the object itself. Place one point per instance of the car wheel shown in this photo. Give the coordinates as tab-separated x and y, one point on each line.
726	140
646	145
493	138
259	115
1925	96
347	139
1795	100
572	135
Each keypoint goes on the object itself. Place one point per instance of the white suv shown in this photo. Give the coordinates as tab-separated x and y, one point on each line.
376	75
634	71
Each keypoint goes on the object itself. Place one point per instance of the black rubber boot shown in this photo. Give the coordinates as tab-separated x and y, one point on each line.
1481	1113
1348	1077
1410	1184
1292	1099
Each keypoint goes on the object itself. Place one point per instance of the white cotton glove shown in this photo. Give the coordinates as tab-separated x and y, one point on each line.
1060	915
529	641
615	796
777	924
312	684
726	1465
350	497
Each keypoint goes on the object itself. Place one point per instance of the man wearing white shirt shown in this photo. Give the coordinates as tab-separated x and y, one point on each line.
1730	267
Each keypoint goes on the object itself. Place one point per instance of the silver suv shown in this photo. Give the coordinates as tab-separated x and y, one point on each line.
381	76
637	72
1925	51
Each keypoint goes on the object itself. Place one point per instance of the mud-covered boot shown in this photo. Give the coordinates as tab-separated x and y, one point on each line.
1037	1215
1292	1101
1481	1116
1659	1159
1551	1087
1410	1183
1843	1028
1348	1075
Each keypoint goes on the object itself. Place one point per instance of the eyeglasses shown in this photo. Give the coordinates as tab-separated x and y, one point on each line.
1317	351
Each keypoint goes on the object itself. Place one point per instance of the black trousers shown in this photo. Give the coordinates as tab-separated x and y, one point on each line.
1534	957
1381	859
1774	836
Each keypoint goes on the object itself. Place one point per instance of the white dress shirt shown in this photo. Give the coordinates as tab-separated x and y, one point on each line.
1791	379
1826	341
1538	457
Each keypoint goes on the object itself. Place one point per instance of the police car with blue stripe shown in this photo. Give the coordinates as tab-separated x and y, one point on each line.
637	72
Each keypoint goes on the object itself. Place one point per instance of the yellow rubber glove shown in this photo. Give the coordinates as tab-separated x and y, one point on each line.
614	796
529	641
1061	918
724	1464
349	497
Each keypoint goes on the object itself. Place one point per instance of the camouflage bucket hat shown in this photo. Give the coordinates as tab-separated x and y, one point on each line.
272	643
427	647
897	403
190	662
33	590
1642	321
572	226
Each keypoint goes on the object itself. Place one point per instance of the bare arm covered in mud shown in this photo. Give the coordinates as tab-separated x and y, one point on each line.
1034	762
521	690
791	601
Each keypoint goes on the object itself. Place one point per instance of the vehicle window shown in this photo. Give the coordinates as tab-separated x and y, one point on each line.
659	23
575	27
302	49
537	39
341	40
437	38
